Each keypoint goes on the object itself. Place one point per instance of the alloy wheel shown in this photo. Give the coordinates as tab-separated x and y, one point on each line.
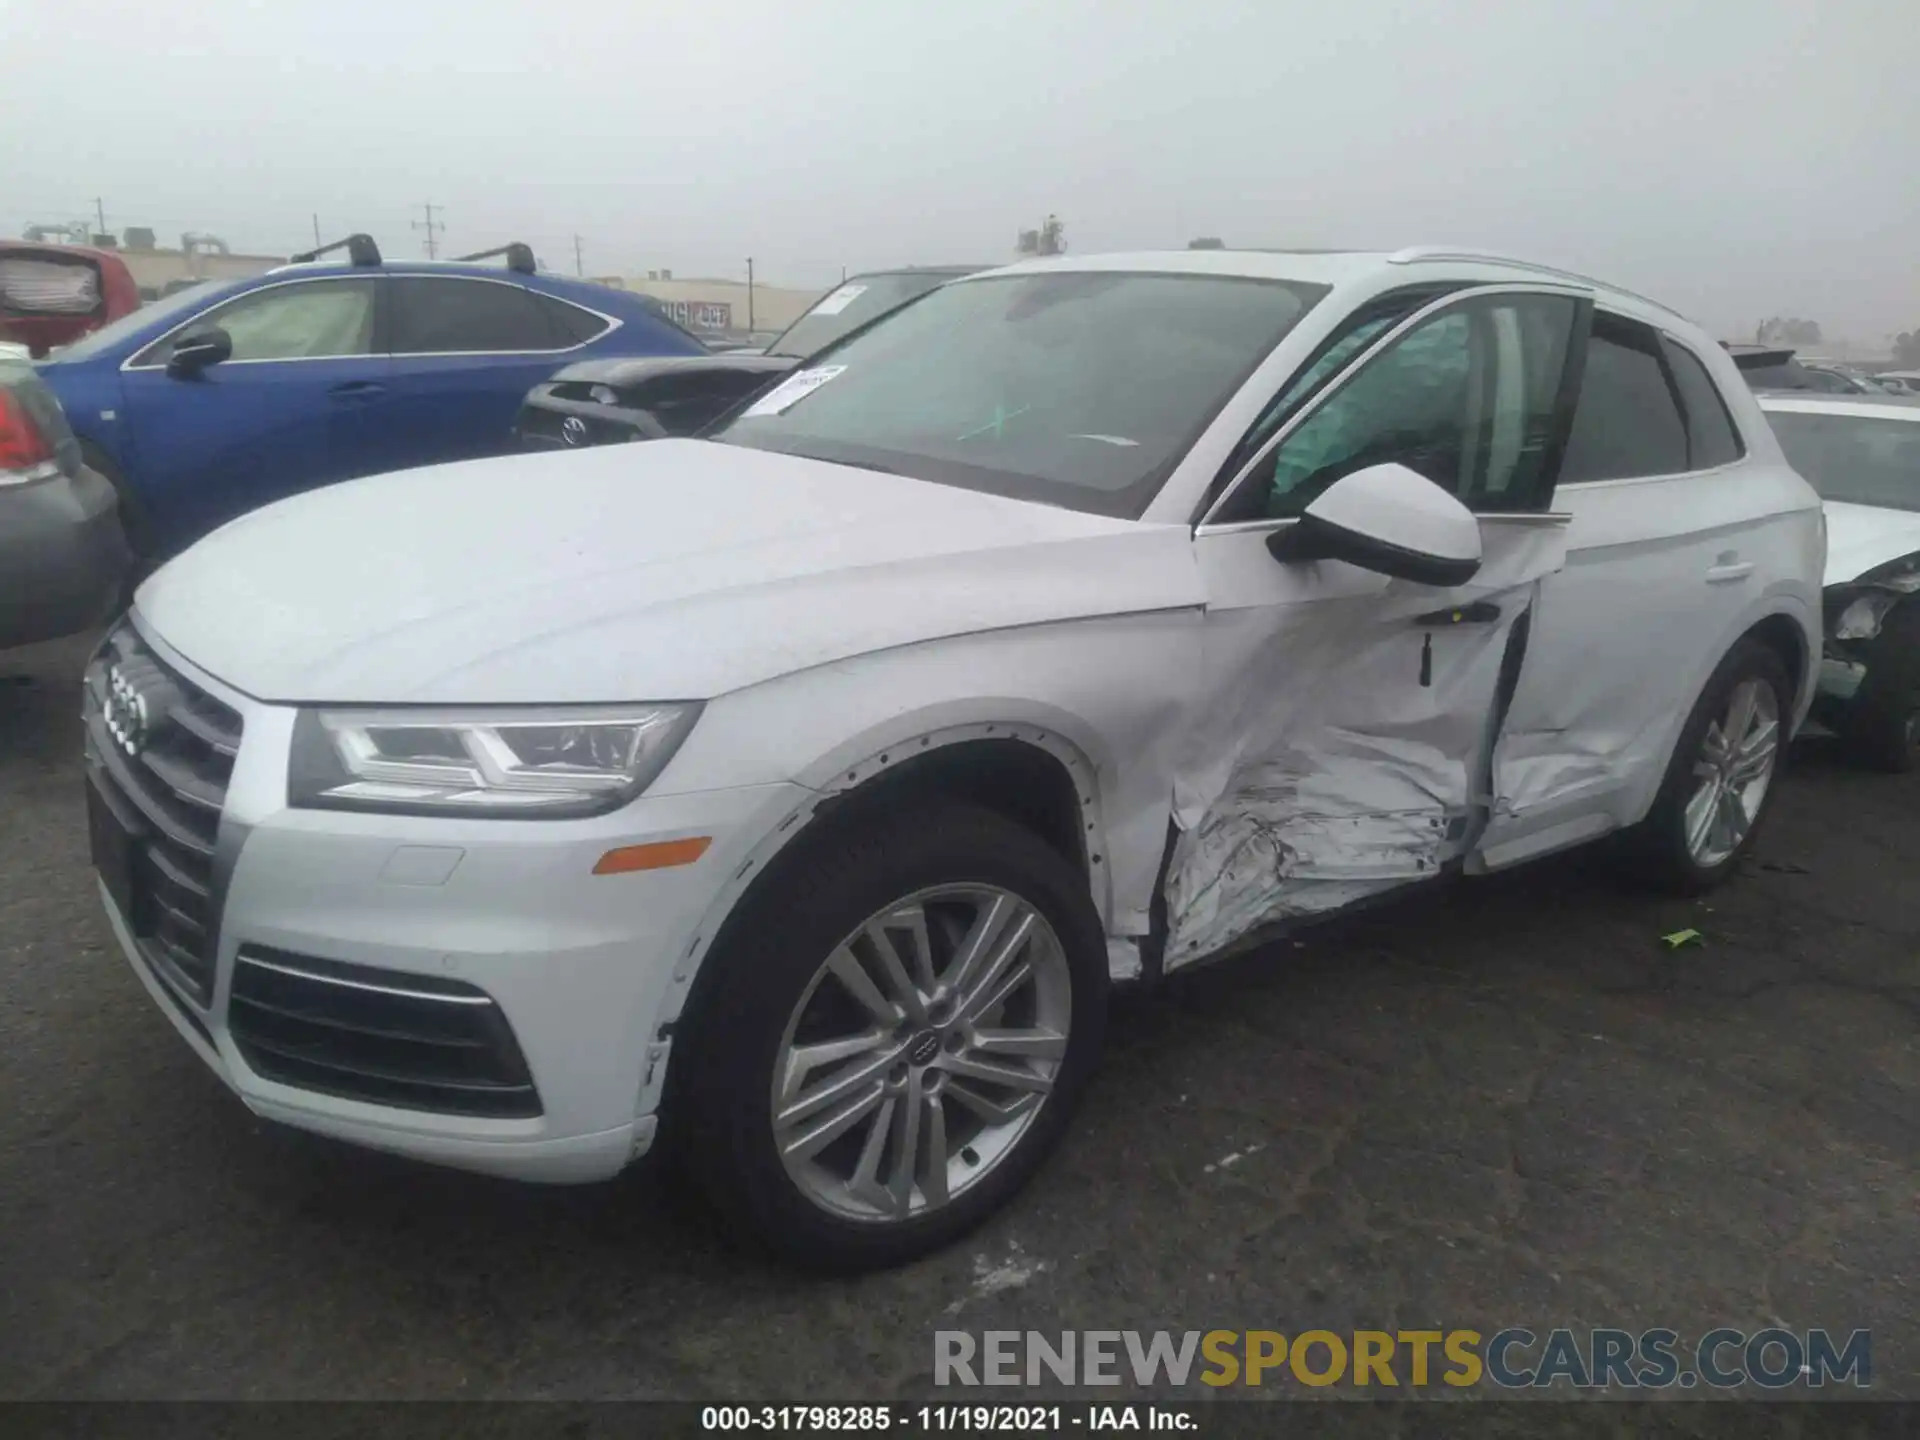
1733	773
920	1052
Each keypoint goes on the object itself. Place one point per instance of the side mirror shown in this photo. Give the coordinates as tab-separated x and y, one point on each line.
193	353
1391	520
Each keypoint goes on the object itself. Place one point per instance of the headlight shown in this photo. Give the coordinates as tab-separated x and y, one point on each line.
531	764
1861	620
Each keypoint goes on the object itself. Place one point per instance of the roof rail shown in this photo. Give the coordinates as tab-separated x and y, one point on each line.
519	257
1425	254
360	251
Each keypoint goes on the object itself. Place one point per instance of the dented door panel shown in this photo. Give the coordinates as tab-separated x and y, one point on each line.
1340	748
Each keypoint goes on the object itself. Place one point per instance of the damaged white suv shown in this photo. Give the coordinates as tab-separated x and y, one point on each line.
798	793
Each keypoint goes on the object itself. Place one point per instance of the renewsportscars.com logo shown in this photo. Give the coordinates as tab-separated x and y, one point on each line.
1515	1358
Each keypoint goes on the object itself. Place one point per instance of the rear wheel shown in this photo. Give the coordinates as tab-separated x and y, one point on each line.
1721	777
1882	725
894	1038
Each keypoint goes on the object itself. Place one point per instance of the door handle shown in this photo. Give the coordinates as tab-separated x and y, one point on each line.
1480	612
1730	573
357	390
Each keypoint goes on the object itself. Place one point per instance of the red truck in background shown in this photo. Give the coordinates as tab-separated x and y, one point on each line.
51	295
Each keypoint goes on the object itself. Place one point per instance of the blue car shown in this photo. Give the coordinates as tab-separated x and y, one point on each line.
226	396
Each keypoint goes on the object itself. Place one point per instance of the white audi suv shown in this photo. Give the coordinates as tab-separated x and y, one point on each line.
796	795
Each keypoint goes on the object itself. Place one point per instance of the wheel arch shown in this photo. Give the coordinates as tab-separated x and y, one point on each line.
1785	624
1026	771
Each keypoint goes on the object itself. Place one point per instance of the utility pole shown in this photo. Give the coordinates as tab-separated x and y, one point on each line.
316	229
749	294
100	213
579	265
432	227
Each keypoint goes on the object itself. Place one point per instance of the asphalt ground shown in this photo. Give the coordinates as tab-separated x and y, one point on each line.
1505	1105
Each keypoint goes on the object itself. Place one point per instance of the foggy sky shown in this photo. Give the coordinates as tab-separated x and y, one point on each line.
1733	158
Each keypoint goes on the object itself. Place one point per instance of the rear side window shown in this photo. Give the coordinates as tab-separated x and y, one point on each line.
1711	439
432	316
1628	420
570	324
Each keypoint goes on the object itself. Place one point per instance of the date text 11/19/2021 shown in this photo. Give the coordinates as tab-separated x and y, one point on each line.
939	1419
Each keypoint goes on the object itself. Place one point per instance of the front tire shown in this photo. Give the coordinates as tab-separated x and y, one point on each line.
893	1037
1722	775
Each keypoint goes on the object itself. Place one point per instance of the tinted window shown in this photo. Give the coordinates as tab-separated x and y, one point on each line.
1627	422
1466	399
303	321
1710	434
433	317
1078	388
571	324
1854	458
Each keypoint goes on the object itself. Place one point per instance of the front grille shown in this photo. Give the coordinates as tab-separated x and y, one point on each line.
418	1042
163	777
542	428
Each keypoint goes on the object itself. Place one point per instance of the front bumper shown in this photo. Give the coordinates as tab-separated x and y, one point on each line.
581	966
63	557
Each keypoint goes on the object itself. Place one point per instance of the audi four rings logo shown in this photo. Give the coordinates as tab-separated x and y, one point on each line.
126	714
573	430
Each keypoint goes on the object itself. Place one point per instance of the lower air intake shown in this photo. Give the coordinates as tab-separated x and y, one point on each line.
416	1042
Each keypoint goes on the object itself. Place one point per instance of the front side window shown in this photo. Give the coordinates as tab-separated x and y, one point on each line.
308	320
434	316
1857	459
1466	398
1077	388
1628	422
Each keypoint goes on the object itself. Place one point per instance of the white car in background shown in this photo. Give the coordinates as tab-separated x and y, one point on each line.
799	793
1863	456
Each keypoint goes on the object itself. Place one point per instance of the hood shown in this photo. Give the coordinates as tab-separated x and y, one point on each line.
617	372
676	570
1863	537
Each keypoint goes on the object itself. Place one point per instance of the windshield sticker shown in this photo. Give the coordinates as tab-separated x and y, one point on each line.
839	300
792	391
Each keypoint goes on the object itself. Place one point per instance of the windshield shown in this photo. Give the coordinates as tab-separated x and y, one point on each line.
1853	458
1078	388
864	298
107	336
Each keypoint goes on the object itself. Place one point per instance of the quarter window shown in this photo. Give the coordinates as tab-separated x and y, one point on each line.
1628	421
572	324
1711	439
311	320
1467	398
433	316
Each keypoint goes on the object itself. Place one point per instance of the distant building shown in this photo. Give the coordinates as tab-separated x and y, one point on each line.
154	269
721	305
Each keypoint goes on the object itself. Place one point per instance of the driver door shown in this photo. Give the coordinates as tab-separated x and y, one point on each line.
1342	740
276	418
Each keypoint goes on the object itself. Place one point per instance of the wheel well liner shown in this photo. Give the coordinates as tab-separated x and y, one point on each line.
1010	776
1781	634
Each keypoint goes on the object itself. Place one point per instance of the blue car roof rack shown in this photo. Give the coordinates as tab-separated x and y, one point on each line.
360	250
519	257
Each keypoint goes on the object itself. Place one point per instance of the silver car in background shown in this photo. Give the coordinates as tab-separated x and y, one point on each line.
63	558
1862	453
